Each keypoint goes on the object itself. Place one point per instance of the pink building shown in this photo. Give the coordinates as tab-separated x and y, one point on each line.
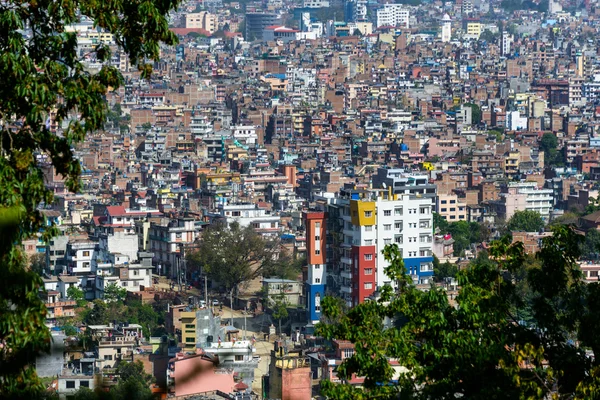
197	374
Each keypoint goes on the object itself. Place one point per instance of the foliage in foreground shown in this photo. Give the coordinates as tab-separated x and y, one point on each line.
44	85
476	349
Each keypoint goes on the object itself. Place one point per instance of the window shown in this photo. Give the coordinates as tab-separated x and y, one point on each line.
317	237
398	225
368	214
318	308
368	285
444	210
190	326
368	242
398	239
108	357
86	254
239	357
387	241
317	225
86	265
317	280
387	213
398	211
452	209
387	227
84	384
136	272
124	284
368	257
317	266
444	201
368	271
190	340
317	252
424	210
452	201
70	384
369	228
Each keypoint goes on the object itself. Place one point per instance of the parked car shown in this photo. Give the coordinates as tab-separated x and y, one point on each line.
215	302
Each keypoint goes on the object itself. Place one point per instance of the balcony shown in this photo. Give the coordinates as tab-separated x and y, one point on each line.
346	289
346	274
346	260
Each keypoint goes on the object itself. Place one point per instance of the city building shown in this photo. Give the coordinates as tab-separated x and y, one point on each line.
396	15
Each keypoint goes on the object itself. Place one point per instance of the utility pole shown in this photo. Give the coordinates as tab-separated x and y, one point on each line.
231	304
206	291
245	312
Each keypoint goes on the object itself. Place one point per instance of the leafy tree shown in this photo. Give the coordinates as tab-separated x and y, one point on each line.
440	223
235	254
445	270
41	72
37	263
279	309
590	247
475	113
114	292
549	145
75	293
488	36
568	218
133	384
476	349
593	206
526	221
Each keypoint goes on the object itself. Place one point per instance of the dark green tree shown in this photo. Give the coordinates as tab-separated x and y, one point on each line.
75	293
279	308
475	113
445	270
476	349
114	292
549	145
526	221
235	254
41	72
37	263
590	246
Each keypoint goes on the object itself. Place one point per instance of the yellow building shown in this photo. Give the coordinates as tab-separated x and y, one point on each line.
188	330
474	29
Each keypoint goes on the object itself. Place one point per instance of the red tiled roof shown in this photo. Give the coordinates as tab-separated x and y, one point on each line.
115	210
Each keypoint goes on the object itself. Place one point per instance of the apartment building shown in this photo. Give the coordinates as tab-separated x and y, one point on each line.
360	223
521	196
393	15
202	20
167	238
451	208
316	258
403	182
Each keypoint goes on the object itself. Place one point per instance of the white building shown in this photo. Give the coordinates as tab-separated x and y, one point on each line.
245	135
515	122
393	15
249	215
316	3
505	43
446	28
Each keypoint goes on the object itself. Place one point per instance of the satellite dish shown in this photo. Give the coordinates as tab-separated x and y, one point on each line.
384	185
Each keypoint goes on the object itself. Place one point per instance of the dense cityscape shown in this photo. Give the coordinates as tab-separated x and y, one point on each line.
302	199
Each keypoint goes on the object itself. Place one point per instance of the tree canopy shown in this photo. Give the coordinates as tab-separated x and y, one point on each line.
48	102
476	349
235	254
526	221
